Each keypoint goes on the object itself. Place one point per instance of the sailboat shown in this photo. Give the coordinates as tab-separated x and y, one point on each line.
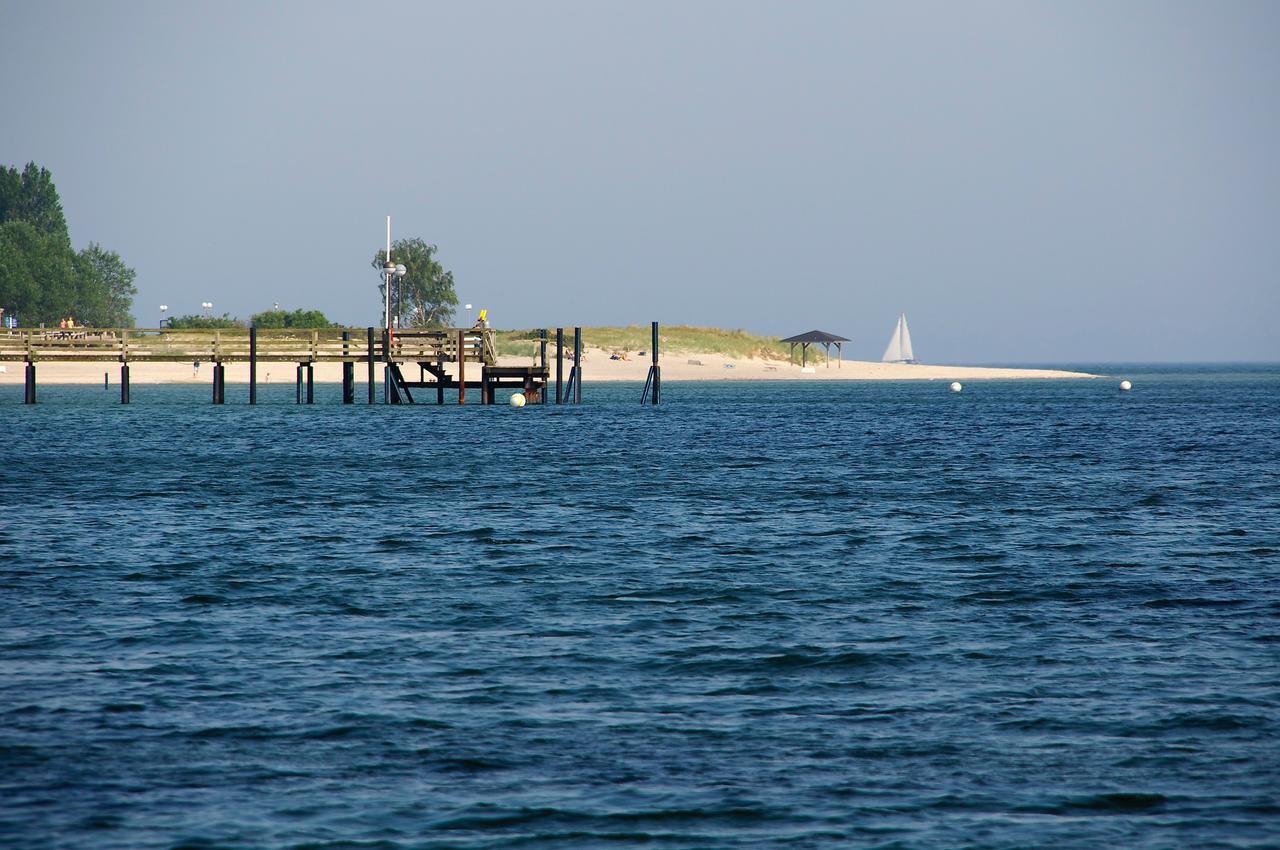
899	349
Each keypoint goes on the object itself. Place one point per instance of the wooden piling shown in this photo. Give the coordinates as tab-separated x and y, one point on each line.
297	392
219	377
559	365
386	366
371	379
253	365
124	383
311	384
542	361
577	365
29	394
462	367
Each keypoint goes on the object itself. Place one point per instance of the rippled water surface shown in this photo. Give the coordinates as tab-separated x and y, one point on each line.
860	615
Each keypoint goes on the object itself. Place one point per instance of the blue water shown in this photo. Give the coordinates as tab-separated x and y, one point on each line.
1034	614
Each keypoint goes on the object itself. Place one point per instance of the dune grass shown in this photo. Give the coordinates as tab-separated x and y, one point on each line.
672	339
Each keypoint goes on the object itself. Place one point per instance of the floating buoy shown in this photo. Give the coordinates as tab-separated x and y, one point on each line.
956	386
1125	386
517	400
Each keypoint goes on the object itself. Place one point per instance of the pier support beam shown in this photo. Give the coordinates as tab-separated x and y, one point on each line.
252	365
386	366
462	367
29	395
219	378
311	384
577	365
370	358
559	365
124	383
654	382
440	382
297	395
348	372
542	360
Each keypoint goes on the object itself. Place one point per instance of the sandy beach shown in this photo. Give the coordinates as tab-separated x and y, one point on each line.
597	366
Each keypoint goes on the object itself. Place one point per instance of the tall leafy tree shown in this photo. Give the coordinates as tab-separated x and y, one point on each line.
30	196
424	297
42	279
106	288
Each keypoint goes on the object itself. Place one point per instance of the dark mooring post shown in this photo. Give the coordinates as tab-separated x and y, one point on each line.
253	365
348	371
29	395
297	393
124	383
311	383
370	358
218	378
542	361
559	365
386	366
653	384
462	367
577	365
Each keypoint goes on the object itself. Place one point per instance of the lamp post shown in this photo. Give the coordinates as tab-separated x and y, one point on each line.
164	308
207	306
401	271
468	306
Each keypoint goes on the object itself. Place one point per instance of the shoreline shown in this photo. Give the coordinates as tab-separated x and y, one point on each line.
597	367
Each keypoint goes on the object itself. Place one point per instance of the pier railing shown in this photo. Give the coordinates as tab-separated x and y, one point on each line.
227	345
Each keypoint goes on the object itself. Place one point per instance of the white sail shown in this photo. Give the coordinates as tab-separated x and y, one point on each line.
899	348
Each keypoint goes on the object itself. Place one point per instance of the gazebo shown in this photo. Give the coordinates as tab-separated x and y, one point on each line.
812	338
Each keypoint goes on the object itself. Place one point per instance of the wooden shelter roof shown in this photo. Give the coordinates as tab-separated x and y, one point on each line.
816	336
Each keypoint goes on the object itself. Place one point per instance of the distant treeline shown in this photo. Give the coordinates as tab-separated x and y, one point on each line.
44	279
266	319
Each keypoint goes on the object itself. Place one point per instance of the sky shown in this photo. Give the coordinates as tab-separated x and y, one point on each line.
1030	182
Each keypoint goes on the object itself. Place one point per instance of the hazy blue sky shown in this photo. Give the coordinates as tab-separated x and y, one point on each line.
1028	181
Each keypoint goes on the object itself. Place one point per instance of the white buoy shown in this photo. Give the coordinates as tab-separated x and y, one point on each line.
956	386
517	400
1126	385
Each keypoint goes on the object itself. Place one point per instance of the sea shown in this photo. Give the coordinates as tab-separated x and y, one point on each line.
760	615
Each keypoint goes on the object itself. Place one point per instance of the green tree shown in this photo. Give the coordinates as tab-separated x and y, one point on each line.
37	275
291	319
30	196
424	297
42	279
106	288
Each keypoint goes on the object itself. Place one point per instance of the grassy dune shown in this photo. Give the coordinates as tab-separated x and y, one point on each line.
672	339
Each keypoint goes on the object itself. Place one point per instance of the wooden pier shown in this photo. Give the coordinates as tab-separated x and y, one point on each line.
445	358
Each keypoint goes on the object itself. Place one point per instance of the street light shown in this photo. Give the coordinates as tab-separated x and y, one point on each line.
468	315
164	308
207	305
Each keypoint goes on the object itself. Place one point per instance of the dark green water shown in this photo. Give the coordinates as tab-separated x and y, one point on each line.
1032	614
